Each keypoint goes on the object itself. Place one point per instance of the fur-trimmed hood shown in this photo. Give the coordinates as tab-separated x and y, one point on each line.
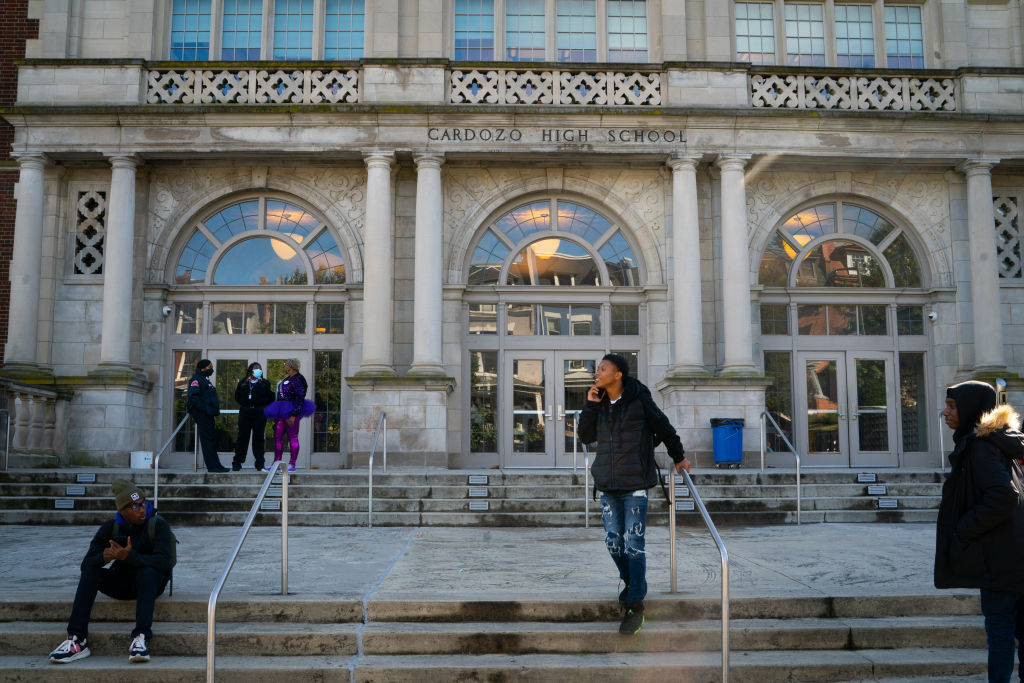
999	427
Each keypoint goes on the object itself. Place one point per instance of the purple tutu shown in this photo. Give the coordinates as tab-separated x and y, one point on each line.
279	410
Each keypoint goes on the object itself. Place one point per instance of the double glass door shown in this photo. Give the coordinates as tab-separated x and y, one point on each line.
543	399
229	368
849	416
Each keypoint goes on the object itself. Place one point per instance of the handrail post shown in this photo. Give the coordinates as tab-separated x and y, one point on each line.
156	462
765	415
672	529
586	488
764	439
285	477
942	444
575	439
382	422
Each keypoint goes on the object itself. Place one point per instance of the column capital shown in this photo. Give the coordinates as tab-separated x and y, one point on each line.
130	161
732	161
428	159
680	162
977	166
34	160
379	159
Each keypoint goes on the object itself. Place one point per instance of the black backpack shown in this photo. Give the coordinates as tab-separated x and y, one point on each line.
151	532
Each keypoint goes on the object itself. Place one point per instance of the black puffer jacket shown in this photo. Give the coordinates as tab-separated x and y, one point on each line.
253	397
626	434
980	531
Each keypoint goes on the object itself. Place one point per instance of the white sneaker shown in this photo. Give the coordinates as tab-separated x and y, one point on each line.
70	650
138	652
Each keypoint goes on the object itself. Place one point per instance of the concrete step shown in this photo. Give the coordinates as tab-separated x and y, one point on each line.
161	669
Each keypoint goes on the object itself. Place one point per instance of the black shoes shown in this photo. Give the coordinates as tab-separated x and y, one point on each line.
633	621
236	468
218	469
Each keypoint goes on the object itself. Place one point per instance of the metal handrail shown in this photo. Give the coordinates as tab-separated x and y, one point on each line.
721	549
211	606
586	473
156	461
383	421
942	443
764	447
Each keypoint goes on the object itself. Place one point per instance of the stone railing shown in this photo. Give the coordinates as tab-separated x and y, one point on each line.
556	87
38	418
853	92
252	86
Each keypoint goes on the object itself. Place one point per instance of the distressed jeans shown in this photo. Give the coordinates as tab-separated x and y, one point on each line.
625	522
1004	622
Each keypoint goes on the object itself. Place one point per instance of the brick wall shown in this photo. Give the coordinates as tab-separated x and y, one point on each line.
15	29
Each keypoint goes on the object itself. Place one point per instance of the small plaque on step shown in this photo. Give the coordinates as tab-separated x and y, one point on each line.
684	506
479	506
270	506
64	504
274	491
477	492
888	503
86	478
866	477
74	490
682	492
478	480
876	490
679	478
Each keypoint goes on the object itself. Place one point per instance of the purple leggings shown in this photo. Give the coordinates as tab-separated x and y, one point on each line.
291	427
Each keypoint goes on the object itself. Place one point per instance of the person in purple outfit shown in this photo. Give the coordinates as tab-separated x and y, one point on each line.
288	410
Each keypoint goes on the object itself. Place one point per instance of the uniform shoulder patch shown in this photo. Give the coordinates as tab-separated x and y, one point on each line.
195	383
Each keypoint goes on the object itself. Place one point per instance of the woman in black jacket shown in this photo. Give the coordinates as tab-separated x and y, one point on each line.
622	417
253	394
980	531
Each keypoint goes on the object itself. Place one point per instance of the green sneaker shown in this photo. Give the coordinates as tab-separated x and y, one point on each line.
632	622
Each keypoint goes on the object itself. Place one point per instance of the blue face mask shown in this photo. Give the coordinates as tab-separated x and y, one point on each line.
257	373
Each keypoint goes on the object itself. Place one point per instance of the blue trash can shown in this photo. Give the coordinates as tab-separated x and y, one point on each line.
727	441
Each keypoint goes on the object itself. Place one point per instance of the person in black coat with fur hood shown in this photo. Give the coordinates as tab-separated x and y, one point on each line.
621	417
980	531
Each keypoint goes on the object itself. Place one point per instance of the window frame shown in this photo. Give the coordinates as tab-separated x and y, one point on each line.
831	55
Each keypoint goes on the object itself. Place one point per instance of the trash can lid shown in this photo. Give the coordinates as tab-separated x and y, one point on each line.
725	421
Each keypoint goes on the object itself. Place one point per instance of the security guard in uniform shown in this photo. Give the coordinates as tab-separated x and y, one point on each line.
203	405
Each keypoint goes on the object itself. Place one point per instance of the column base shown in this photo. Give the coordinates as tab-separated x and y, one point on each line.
426	370
116	372
30	373
686	371
374	370
738	370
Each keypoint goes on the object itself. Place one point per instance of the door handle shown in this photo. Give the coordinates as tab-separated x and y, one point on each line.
561	413
842	415
547	413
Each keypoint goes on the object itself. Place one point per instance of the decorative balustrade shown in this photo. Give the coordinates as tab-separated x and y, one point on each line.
853	93
556	87
252	86
37	418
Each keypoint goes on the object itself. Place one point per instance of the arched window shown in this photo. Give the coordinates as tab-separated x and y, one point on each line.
261	241
880	257
553	242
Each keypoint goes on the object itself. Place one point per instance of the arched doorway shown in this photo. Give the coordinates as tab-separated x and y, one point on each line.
552	285
261	278
844	336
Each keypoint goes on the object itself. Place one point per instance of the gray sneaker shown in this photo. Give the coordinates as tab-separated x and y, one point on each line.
70	650
138	652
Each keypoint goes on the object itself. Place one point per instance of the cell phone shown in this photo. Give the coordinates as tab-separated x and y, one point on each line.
120	540
601	392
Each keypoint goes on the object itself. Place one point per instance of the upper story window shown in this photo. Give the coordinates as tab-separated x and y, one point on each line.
846	34
551	30
257	29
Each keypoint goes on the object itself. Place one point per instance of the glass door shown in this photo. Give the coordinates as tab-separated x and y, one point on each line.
872	403
576	376
228	368
529	409
822	395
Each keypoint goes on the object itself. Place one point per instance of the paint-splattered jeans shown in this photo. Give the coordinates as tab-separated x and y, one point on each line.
625	521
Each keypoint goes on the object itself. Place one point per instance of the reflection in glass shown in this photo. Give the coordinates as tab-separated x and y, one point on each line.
528	406
293	29
840	263
873	320
524	30
188	319
259	318
556	262
913	402
183	364
525	220
581	221
778	397
865	223
483	319
474	30
618	258
330	319
577	378
227	319
227	372
910	320
632	359
905	270
775	262
625	320
822	406
576	30
343	29
520	319
290	319
290	220
811	319
234	220
811	223
328	263
554	319
774	319
872	405
327	385
195	259
842	319
261	261
490	253
483	408
627	31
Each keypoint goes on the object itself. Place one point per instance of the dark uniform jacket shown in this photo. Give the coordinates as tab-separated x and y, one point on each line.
202	395
156	555
980	530
253	396
626	434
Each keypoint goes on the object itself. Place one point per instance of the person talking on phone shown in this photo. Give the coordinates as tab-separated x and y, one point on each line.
140	562
621	416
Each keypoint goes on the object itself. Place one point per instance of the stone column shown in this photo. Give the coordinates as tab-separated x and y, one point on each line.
378	283
426	353
686	294
20	352
986	309
118	265
735	267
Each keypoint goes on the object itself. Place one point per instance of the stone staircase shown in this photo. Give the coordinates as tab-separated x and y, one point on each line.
337	638
469	498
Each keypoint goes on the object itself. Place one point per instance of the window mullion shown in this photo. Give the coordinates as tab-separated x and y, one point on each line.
267	39
261	219
550	36
780	32
216	26
830	33
602	30
499	30
319	24
878	28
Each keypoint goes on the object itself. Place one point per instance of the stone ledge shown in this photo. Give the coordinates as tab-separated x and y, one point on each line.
388	382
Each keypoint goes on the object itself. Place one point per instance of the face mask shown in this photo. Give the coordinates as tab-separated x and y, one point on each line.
257	373
207	372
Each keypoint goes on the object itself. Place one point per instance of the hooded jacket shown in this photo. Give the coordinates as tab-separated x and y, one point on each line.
980	530
252	397
626	433
155	555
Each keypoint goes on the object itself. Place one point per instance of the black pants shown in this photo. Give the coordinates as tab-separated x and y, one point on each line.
256	424
120	583
207	439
